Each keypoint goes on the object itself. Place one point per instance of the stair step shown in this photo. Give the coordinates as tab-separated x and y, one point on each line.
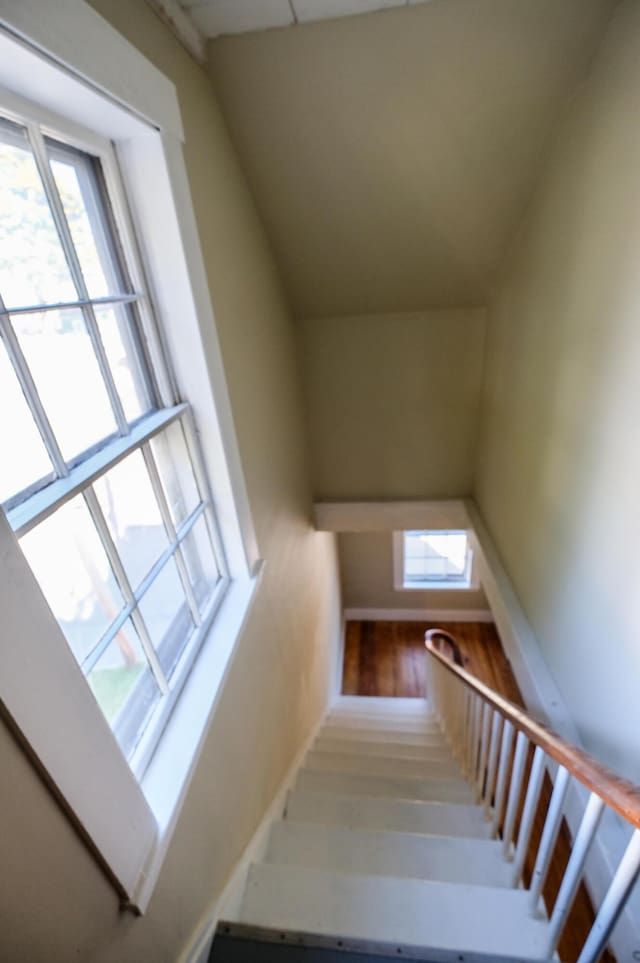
392	704
235	943
370	853
397	750
361	784
380	736
406	912
405	724
383	765
395	815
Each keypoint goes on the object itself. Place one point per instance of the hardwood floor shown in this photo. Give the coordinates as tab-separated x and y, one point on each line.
389	659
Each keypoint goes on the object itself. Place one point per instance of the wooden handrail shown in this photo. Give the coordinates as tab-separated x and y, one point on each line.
451	641
619	794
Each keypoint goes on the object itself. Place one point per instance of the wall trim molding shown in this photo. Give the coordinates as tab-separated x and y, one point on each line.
72	35
182	27
392	516
417	615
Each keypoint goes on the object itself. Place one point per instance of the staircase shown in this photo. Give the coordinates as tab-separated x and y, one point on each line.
390	846
382	842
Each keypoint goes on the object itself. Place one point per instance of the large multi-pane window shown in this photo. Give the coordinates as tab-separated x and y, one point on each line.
100	475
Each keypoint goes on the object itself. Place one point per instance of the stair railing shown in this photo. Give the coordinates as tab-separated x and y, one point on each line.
481	726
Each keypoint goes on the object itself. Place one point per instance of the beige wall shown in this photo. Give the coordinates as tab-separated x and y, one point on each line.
366	574
54	903
392	403
392	155
559	467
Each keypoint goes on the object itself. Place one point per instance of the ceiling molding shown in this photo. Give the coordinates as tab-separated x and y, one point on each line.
182	26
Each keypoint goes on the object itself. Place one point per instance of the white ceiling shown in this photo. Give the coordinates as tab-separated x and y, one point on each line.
217	17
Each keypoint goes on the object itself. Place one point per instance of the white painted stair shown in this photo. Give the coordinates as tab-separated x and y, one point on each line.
382	847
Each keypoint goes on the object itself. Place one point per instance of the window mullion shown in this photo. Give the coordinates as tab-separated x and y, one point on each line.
28	385
61	305
122	578
193	447
62	227
172	533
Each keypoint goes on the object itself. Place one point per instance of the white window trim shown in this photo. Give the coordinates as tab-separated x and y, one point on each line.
65	57
471	584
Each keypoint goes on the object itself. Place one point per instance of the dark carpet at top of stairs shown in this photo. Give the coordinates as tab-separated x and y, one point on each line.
230	949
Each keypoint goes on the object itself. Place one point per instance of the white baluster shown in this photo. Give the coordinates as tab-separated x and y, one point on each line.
573	872
496	729
484	749
528	813
474	743
613	903
549	836
517	772
501	785
468	713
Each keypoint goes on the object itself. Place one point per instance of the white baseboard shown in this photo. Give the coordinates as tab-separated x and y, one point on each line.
418	615
227	904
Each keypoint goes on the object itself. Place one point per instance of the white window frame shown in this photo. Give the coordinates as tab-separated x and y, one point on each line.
469	583
27	514
68	60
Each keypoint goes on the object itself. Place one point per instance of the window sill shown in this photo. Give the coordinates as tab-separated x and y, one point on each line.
167	778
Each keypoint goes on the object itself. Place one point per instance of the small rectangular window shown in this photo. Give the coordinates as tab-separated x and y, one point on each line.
101	478
433	559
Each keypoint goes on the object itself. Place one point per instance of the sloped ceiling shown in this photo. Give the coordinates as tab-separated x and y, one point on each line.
392	155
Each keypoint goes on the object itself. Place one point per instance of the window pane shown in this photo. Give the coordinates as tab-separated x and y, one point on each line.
167	617
33	269
443	556
130	507
24	458
174	465
116	330
60	355
69	562
201	564
124	687
82	206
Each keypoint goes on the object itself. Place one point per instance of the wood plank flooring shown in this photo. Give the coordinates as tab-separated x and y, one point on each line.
389	659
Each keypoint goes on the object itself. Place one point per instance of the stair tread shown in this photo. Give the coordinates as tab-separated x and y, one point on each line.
407	912
397	787
386	723
396	704
401	815
383	853
383	765
380	736
395	750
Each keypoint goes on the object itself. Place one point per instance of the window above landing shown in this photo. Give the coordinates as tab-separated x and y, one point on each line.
440	560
